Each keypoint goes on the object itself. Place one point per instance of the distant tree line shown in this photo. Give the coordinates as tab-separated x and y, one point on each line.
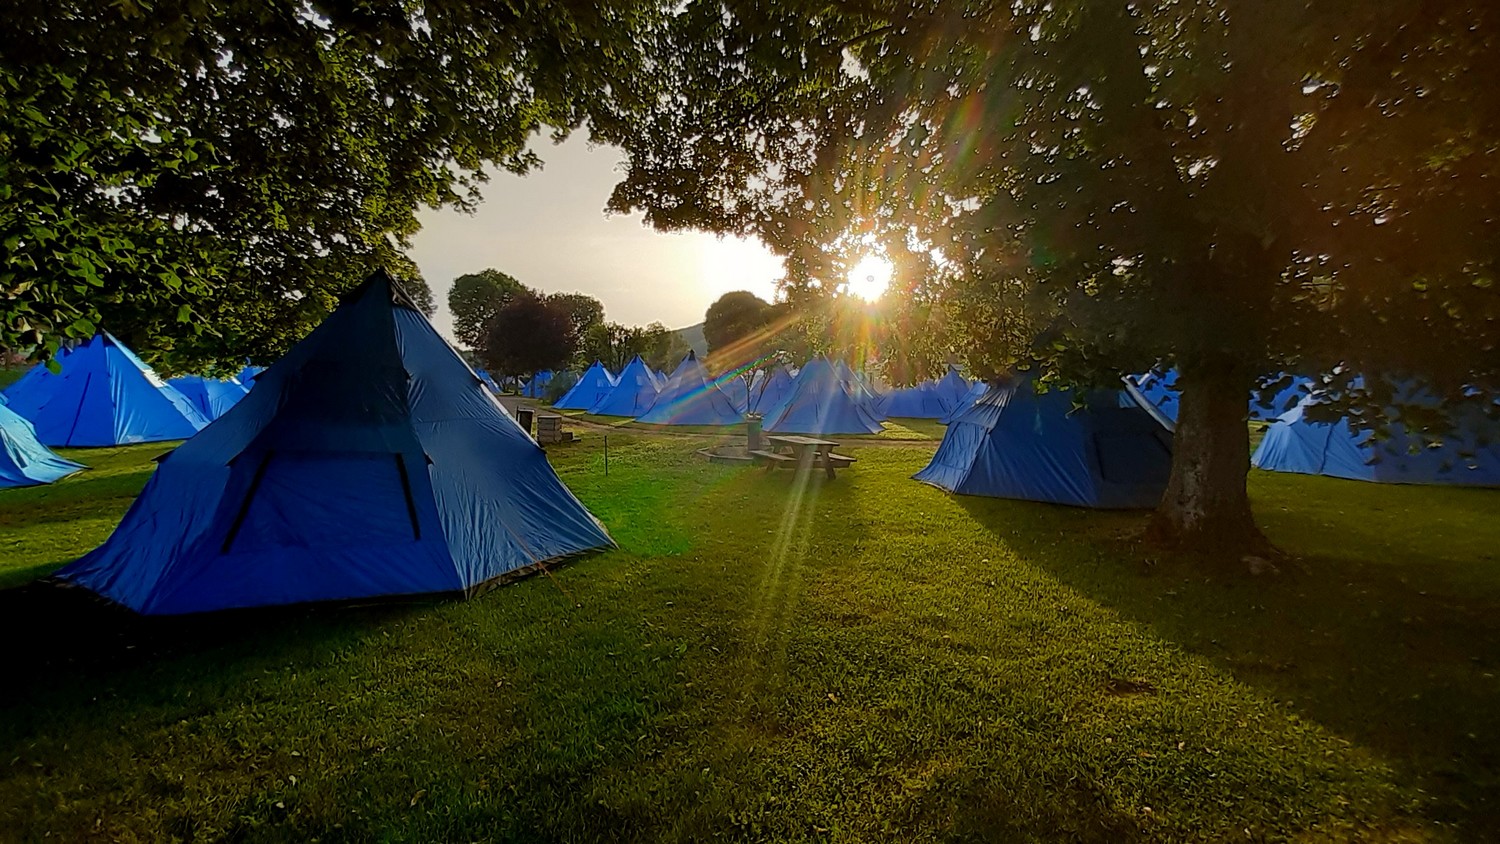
516	331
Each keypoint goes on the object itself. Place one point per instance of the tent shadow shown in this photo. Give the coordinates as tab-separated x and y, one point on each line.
65	640
1393	658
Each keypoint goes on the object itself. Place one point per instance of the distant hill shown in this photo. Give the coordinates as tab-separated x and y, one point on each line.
693	336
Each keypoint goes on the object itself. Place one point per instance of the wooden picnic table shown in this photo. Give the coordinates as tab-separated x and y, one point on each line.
801	452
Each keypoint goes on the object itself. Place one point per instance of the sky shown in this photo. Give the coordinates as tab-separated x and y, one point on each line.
549	230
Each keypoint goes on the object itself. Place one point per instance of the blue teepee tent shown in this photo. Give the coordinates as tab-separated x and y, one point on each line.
775	386
537	387
103	396
24	461
1285	391
819	404
952	387
211	396
1467	456
690	397
246	376
593	385
969	399
922	401
633	394
1017	443
369	461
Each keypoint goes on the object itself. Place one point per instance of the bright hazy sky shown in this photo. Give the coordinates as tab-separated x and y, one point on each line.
549	230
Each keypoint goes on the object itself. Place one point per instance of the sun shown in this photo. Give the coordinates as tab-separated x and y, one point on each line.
869	278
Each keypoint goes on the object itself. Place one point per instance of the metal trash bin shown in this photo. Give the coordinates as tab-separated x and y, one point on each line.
752	432
524	416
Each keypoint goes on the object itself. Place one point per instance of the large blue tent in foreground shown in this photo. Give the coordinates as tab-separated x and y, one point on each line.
821	403
103	396
690	397
369	461
593	385
24	461
1017	443
1469	455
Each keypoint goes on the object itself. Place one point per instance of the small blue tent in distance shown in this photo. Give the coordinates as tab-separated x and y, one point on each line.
919	402
593	385
775	386
103	396
820	403
952	387
1469	455
537	387
634	392
1017	443
690	397
211	396
1273	396
24	461
369	461
969	399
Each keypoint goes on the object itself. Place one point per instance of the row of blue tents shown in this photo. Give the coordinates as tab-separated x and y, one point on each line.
101	395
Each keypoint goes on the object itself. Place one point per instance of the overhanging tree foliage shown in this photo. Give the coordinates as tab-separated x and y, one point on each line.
216	174
1235	187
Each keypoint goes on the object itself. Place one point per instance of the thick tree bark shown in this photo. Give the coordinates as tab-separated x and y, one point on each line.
1206	507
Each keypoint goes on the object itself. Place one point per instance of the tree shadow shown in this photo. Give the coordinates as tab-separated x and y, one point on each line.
1397	658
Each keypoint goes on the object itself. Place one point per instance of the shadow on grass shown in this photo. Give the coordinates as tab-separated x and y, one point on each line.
1392	655
73	637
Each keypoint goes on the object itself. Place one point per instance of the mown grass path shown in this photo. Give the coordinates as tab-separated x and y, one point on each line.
774	657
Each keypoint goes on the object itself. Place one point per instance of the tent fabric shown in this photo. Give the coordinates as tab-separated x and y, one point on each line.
634	392
922	401
690	397
24	461
1017	443
488	381
774	390
103	396
737	387
246	376
369	461
593	385
820	403
537	387
1160	388
1295	443
952	387
211	396
969	399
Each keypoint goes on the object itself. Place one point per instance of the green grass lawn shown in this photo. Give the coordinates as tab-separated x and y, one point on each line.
770	657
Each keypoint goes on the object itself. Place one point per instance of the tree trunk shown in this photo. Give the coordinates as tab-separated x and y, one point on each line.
1206	507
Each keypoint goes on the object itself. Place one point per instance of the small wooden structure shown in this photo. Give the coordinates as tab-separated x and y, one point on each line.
549	429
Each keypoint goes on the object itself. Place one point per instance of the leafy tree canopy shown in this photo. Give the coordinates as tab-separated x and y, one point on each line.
213	175
475	298
529	334
584	311
1090	187
738	327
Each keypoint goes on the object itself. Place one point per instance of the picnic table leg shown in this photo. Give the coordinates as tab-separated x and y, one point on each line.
827	464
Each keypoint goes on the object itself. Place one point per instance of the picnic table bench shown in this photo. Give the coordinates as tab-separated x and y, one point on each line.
798	452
